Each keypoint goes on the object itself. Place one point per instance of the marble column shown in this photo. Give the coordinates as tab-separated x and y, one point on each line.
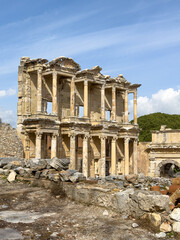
85	167
135	107
113	156
126	155
73	157
113	104
27	146
103	102
102	160
38	145
54	145
135	169
54	93
39	91
72	98
126	115
85	98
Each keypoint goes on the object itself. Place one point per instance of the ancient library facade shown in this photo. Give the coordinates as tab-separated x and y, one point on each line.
66	112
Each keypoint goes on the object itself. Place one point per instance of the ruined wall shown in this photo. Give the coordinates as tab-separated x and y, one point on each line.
10	144
143	158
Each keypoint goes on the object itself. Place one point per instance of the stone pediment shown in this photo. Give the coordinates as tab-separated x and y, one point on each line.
28	61
64	62
93	73
121	79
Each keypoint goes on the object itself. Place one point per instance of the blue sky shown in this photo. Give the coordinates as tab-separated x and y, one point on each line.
137	38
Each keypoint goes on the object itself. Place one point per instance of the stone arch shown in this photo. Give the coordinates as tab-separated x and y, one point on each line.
164	162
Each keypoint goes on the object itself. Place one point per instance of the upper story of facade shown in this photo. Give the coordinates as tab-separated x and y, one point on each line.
59	90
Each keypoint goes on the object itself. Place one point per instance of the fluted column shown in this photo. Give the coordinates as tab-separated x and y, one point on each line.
38	145
102	160
126	117
85	98
39	91
135	107
73	159
126	155
103	102
85	167
113	104
72	98
113	156
54	93
54	145
135	168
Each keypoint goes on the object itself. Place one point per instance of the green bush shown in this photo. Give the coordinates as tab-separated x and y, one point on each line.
154	121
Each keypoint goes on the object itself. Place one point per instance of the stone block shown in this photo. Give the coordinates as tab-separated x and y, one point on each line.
12	176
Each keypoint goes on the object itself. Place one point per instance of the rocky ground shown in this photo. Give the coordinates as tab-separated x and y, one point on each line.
28	212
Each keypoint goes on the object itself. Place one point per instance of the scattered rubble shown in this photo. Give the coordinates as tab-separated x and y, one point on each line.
129	196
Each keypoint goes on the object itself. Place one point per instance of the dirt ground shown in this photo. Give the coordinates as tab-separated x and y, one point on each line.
28	212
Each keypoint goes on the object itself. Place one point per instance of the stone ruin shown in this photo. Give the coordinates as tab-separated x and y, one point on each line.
64	112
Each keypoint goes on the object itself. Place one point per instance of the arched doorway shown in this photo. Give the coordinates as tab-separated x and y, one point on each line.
168	168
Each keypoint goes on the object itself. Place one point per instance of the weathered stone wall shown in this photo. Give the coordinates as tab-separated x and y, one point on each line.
10	144
143	158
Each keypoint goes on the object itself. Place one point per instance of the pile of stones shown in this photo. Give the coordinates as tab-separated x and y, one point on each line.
53	169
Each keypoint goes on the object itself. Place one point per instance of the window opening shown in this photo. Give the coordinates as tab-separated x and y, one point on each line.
81	111
108	115
49	107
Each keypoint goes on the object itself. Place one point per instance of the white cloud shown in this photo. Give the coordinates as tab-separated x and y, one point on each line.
8	92
165	101
8	116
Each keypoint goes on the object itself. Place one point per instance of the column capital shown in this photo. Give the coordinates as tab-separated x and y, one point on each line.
39	135
39	71
114	138
113	88
73	78
72	135
85	82
103	86
103	137
55	135
126	139
86	137
54	73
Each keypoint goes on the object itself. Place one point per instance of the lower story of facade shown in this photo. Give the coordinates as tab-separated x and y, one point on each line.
94	151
